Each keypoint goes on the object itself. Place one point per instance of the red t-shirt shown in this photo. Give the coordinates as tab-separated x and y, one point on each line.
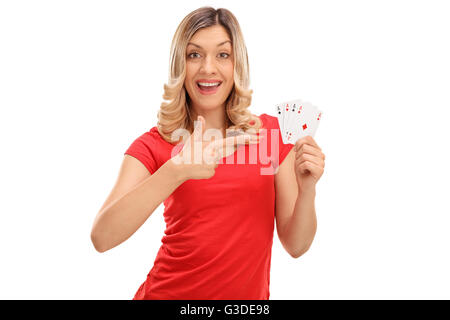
219	231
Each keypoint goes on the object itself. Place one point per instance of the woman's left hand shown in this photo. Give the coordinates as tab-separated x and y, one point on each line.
309	163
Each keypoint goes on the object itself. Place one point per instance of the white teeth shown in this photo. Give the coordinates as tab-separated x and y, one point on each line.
209	84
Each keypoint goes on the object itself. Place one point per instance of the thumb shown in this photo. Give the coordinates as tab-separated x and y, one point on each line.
199	128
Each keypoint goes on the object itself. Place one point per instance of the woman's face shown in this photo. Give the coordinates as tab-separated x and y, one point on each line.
209	60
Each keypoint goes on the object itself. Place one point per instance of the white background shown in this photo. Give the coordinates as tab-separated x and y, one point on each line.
80	80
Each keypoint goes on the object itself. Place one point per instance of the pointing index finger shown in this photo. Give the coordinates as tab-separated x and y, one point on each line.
241	139
235	140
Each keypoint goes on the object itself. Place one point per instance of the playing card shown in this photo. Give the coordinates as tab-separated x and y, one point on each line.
280	116
295	110
306	121
282	112
297	118
316	122
285	118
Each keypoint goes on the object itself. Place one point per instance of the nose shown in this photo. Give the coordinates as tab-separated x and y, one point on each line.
208	65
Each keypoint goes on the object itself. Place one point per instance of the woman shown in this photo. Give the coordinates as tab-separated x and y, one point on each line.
219	214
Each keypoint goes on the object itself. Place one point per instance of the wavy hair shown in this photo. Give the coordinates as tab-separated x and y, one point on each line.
175	113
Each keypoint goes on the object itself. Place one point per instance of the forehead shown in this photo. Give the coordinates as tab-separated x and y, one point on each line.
210	37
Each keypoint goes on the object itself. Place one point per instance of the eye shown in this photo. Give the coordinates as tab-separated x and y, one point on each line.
227	55
190	55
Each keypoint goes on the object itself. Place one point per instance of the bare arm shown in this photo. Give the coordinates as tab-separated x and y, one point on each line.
133	199
295	211
137	193
295	195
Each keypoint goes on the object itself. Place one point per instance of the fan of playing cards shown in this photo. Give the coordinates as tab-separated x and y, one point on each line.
297	119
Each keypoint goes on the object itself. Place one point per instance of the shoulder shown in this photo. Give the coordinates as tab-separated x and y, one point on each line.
268	121
151	136
149	142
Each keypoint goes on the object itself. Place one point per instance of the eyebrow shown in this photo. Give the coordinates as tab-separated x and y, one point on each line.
222	43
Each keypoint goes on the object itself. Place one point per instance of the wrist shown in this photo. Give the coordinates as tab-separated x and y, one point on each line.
307	191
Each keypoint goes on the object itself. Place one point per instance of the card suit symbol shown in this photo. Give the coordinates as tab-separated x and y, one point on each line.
287	107
318	118
304	126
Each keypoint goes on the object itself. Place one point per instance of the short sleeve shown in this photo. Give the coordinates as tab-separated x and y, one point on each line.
144	149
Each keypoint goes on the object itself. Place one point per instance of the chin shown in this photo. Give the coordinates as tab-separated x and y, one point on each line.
211	105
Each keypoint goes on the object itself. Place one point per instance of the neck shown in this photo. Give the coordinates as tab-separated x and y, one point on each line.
214	118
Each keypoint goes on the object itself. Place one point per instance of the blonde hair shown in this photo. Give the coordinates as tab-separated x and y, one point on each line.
175	114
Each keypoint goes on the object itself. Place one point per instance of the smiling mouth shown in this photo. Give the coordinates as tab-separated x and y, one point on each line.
208	89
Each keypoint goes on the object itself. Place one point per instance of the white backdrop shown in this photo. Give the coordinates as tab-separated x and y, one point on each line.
80	80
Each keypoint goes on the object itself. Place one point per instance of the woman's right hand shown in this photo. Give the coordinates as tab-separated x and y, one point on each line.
199	158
